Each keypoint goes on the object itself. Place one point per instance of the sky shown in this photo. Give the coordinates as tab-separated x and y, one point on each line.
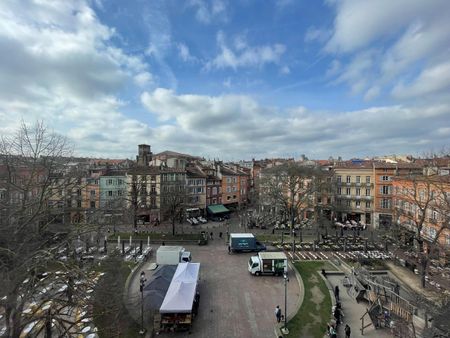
230	79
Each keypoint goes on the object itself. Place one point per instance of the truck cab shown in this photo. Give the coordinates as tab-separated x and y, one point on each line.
273	263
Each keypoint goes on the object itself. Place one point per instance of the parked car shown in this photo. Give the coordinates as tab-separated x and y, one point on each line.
194	221
202	220
189	220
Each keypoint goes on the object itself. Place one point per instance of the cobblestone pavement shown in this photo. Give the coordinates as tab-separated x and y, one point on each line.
233	302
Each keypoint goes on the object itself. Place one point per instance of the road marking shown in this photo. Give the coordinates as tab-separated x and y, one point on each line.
251	314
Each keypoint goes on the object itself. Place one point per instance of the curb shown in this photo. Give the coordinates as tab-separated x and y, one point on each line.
277	329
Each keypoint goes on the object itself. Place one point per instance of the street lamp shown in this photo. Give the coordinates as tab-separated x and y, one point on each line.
141	288
285	330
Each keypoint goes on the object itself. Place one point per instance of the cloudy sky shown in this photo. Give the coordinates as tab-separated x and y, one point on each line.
233	79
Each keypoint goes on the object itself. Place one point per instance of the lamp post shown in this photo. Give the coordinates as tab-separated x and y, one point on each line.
285	330
141	288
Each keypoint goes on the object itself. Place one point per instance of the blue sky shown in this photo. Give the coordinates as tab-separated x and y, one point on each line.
230	79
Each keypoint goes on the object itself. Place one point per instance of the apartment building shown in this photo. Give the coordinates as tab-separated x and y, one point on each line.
423	203
196	189
383	198
354	191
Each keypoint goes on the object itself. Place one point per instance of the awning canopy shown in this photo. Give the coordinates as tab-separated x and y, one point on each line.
180	295
217	209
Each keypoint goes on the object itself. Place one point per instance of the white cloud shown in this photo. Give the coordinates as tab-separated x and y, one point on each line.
209	11
285	70
58	65
238	126
431	80
388	43
244	56
184	53
143	79
316	34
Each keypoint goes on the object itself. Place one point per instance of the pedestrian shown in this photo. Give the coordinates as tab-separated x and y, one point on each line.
347	331
220	234
336	292
333	333
211	235
278	313
229	249
338	315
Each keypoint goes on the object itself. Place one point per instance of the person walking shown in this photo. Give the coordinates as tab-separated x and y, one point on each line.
220	235
336	293
278	313
347	331
211	235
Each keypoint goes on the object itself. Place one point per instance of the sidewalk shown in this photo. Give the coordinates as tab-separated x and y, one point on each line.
412	281
353	311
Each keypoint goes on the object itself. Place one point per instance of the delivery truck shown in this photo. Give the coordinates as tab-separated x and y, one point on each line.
273	263
244	242
172	255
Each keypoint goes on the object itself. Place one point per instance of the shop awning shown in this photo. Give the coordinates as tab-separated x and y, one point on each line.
217	209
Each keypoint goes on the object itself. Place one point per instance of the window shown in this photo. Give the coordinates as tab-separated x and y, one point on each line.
348	190
228	179
339	179
199	190
385	190
228	198
358	192
367	192
348	203
78	192
385	203
367	205
214	191
93	204
367	179
78	204
339	191
110	193
214	201
234	179
153	202
385	178
348	179
119	192
153	178
92	192
234	196
358	204
2	194
358	179
120	181
228	189
109	182
339	202
234	188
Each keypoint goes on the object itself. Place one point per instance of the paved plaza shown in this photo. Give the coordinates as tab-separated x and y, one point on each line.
233	302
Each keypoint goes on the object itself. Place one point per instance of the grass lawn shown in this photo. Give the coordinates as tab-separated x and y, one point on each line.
110	315
312	318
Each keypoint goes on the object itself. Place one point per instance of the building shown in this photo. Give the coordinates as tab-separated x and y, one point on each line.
143	185
422	205
354	191
196	189
383	174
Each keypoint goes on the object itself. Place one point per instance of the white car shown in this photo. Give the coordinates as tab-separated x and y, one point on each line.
202	220
189	221
194	221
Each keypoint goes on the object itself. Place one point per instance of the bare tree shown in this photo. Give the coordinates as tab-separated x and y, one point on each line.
173	201
292	189
34	173
422	205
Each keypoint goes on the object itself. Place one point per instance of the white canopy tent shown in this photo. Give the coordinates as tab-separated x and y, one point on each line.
180	295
